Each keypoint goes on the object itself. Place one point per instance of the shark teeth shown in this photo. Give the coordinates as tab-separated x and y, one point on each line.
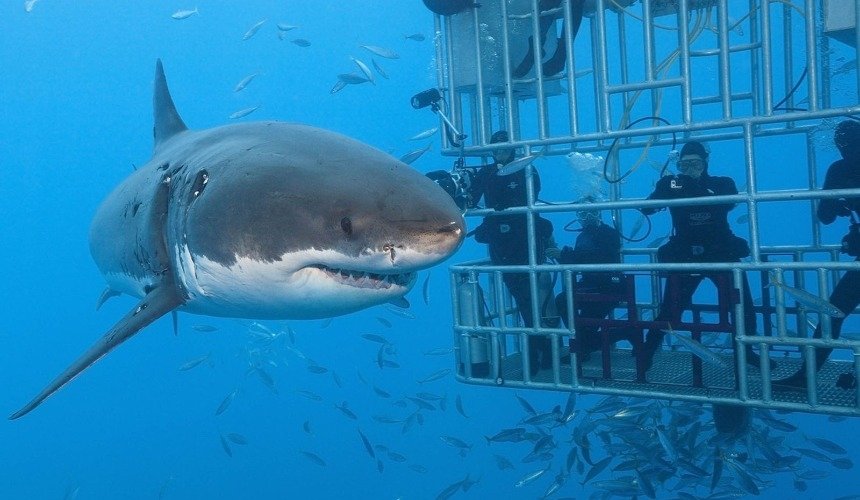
364	279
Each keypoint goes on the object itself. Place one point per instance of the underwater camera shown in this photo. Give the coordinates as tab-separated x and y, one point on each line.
457	183
433	97
426	98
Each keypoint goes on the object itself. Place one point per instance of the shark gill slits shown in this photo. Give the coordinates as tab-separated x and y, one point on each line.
164	166
135	208
346	226
199	183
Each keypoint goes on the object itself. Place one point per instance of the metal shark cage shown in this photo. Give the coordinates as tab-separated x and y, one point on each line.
762	82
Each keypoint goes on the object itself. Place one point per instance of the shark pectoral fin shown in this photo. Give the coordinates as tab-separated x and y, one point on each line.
157	303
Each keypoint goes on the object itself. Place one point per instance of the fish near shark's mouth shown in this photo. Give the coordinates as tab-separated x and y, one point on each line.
365	279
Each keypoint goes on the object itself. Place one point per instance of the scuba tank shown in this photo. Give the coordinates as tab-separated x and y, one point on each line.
474	347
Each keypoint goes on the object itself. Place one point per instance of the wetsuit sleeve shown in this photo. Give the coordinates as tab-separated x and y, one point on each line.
661	192
479	185
828	209
725	186
480	233
543	228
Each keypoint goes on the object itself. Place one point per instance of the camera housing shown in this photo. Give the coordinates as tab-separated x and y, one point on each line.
426	98
457	183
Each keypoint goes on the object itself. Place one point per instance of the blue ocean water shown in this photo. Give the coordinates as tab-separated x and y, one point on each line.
75	87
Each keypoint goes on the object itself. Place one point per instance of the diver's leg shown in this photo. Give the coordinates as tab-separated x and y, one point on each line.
557	61
539	346
677	297
846	297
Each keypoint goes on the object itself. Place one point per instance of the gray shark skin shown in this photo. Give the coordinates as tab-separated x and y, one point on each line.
263	220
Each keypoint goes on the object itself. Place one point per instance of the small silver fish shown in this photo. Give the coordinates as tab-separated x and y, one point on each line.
226	446
301	42
338	86
424	134
244	82
364	69
531	477
418	37
286	27
178	15
455	442
352	78
253	30
243	113
379	339
382	51
379	69
313	457
459	404
237	438
807	299
438	351
317	369
385	322
435	375
367	445
699	350
346	411
310	395
192	363
413	155
518	164
226	402
425	289
400	311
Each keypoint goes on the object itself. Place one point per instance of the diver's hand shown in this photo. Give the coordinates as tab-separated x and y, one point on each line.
552	253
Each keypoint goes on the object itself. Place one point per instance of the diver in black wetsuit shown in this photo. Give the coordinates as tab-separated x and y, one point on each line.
701	234
842	174
557	61
507	238
597	243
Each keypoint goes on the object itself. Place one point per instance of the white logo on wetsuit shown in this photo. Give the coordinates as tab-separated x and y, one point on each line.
504	228
699	218
673	184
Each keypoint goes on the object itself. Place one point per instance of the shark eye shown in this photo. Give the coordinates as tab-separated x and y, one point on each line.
346	225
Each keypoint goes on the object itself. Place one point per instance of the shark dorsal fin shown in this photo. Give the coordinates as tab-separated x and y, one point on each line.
167	121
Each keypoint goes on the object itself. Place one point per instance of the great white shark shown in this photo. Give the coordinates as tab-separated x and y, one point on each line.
265	220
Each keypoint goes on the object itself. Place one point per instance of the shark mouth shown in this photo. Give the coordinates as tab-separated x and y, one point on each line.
364	279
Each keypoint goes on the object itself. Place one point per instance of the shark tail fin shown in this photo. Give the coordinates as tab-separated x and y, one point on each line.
156	304
167	120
